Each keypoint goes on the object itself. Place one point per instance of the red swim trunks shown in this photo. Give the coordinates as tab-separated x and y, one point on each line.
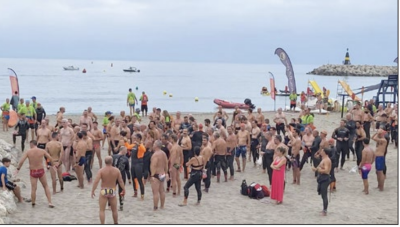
37	173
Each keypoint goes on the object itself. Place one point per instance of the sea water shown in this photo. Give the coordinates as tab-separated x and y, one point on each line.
105	87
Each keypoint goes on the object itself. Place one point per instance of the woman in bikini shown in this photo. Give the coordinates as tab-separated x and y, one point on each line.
196	175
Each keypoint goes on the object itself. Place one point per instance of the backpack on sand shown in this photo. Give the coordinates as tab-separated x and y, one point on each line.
255	191
244	188
265	190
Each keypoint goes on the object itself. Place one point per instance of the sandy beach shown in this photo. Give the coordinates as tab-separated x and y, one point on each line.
224	204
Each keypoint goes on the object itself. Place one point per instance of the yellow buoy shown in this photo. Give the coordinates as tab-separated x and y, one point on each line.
170	95
196	99
164	92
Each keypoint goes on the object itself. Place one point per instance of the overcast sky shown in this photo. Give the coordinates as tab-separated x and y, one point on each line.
237	31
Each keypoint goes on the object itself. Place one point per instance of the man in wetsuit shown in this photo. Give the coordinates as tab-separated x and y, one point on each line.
22	127
315	147
121	162
342	135
41	115
295	143
268	156
323	180
351	126
137	155
186	125
335	161
35	156
255	142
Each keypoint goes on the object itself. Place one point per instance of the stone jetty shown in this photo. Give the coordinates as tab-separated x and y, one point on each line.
355	70
7	199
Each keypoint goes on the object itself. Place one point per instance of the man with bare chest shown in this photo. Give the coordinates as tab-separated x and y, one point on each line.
243	138
176	162
55	150
381	143
260	117
280	121
80	160
307	142
98	137
219	149
67	136
177	121
186	145
231	144
43	137
86	119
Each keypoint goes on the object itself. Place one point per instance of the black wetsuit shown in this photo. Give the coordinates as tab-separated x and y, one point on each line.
342	146
195	178
351	126
386	127
334	160
187	154
22	127
229	160
41	114
359	147
323	181
146	163
314	148
207	180
137	169
122	163
268	158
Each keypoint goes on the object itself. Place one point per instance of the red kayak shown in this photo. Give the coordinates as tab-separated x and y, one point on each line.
230	105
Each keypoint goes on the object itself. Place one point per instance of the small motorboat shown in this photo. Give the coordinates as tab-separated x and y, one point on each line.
70	68
231	105
132	70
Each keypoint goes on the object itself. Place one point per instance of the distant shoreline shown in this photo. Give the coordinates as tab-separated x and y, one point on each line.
355	70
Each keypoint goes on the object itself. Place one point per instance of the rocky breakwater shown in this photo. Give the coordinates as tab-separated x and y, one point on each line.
355	70
8	202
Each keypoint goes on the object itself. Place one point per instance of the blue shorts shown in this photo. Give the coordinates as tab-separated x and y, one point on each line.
132	105
82	161
241	150
380	163
7	117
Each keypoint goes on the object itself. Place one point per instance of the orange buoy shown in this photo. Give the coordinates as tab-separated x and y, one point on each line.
84	71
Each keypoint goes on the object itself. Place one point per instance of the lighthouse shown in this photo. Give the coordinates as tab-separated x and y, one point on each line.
347	58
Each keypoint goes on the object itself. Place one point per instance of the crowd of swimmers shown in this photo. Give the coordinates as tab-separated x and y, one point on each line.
173	145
